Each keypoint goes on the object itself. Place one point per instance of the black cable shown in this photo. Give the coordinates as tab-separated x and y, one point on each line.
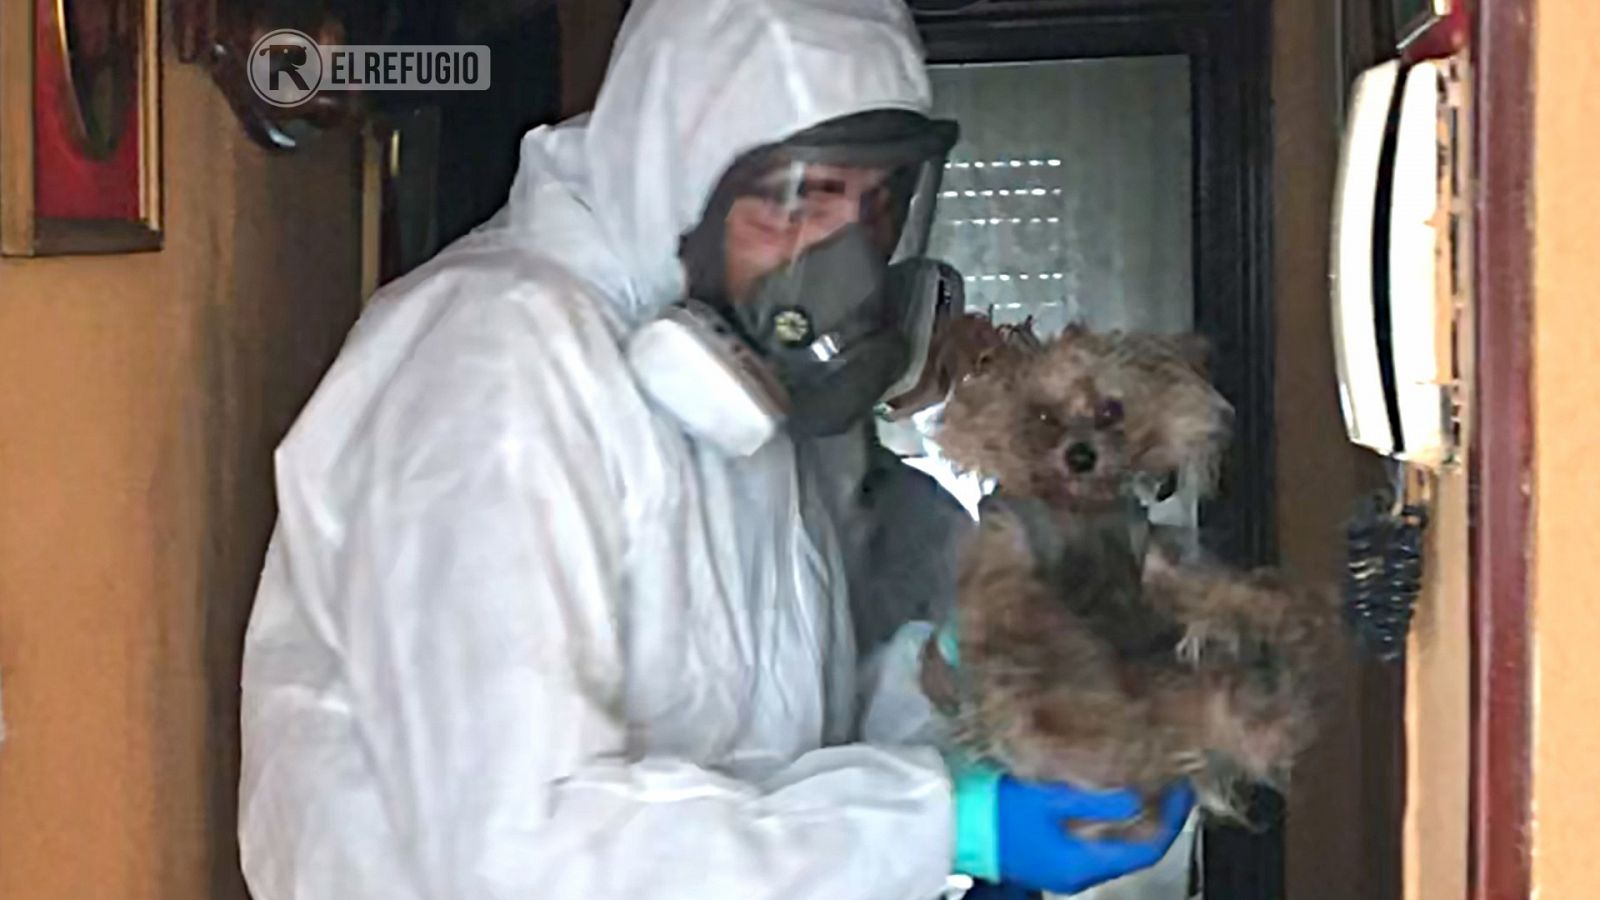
1383	574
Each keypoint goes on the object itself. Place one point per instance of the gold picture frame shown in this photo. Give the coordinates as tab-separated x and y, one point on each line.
80	127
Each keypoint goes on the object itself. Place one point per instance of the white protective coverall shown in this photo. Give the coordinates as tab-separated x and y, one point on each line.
517	636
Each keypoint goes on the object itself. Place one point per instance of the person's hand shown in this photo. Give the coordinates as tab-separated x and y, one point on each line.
1014	831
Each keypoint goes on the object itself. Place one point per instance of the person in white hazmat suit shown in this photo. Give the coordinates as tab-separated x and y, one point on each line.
534	623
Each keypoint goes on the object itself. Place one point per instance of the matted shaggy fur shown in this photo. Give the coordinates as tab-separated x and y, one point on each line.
1093	648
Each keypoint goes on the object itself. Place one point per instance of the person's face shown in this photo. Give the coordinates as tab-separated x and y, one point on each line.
792	208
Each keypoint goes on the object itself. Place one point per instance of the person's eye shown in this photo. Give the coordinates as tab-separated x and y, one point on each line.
768	209
821	188
824	202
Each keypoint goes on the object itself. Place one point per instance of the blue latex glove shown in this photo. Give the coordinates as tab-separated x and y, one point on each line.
1013	831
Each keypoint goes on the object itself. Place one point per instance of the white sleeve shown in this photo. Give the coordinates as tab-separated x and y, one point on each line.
893	708
483	753
907	588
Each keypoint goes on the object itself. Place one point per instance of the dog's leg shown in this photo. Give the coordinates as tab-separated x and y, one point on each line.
1229	616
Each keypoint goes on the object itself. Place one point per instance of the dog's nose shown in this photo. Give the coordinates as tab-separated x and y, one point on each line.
1081	457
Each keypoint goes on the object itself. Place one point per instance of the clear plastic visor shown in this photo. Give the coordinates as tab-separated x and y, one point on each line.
789	206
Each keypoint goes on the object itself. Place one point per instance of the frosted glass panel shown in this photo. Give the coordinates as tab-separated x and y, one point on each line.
1068	197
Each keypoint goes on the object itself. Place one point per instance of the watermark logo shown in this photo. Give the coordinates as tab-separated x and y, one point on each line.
288	68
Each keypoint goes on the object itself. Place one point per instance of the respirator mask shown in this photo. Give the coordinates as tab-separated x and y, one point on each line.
810	298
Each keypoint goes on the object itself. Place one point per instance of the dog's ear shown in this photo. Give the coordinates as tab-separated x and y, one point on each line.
978	421
967	345
1194	350
1194	437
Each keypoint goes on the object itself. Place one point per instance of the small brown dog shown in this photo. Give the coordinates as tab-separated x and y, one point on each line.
1093	650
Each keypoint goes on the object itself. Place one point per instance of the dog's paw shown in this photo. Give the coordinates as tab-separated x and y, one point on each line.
1136	830
1142	827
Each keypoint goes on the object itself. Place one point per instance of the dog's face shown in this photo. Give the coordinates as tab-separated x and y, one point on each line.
1075	421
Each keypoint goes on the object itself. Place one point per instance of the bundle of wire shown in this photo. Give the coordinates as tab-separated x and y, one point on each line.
1383	573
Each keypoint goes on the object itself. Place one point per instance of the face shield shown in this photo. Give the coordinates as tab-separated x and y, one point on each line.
813	251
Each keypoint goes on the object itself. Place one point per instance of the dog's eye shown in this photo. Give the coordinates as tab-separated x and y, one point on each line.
1045	417
1109	414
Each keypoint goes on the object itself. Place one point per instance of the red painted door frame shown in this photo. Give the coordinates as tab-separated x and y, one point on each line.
1499	33
1502	452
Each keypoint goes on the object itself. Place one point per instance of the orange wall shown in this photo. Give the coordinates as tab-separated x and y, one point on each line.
143	396
1566	775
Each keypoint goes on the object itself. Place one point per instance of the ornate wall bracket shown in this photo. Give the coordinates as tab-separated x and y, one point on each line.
218	35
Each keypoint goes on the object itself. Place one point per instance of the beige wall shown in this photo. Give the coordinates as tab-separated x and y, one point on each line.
1438	726
1566	776
143	395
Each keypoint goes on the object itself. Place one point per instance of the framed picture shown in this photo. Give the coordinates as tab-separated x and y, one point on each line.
80	127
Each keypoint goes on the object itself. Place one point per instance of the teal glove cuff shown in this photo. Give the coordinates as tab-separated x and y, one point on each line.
976	791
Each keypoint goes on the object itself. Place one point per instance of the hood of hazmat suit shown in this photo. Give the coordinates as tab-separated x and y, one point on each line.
517	636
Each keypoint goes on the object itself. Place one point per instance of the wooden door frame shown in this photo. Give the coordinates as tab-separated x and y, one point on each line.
1501	453
1228	45
1498	35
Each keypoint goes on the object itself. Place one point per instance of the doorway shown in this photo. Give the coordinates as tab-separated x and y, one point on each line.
1114	171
